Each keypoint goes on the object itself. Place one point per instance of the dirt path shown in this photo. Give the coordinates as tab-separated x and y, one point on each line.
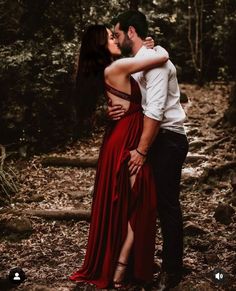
52	250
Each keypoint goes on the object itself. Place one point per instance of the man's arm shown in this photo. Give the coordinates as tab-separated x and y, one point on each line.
150	131
157	89
138	156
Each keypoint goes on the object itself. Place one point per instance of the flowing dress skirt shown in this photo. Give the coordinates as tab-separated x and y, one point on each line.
115	204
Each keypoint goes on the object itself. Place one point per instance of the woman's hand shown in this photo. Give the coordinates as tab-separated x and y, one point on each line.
149	42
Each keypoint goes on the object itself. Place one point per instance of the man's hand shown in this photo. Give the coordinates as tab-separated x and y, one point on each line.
115	112
149	42
135	163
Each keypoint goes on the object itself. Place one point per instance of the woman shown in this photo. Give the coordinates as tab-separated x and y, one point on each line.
121	239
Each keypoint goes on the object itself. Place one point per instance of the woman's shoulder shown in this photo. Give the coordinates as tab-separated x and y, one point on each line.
117	67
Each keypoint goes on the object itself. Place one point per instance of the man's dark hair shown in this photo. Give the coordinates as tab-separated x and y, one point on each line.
132	18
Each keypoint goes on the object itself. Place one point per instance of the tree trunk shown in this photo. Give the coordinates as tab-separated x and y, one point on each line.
230	113
81	18
195	36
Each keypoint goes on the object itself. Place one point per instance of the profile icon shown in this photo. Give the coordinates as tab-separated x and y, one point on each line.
16	275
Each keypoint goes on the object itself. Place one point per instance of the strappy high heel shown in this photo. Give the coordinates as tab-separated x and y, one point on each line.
120	271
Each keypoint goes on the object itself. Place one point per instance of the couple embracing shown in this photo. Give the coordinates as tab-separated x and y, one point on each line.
141	157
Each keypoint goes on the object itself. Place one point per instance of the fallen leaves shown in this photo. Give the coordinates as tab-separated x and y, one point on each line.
55	249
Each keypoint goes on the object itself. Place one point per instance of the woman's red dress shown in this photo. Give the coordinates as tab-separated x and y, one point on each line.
115	204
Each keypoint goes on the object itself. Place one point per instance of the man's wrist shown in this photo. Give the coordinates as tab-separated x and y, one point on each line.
141	153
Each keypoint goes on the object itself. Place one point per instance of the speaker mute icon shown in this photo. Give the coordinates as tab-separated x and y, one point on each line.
218	275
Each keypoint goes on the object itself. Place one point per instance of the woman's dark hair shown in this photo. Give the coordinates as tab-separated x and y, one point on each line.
94	57
94	53
132	18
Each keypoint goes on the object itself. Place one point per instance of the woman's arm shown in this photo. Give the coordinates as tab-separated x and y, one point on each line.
132	65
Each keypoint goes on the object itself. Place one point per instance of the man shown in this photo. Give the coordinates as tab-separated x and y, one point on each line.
163	140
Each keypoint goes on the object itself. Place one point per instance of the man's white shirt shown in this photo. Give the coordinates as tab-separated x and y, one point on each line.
160	93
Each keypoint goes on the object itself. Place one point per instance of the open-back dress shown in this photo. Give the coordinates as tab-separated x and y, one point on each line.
115	203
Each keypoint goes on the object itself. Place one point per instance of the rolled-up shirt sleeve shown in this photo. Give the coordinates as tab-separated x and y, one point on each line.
160	50
156	94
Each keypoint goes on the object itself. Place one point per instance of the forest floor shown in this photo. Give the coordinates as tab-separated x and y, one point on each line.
51	250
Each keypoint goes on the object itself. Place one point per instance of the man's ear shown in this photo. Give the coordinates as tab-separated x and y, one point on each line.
131	32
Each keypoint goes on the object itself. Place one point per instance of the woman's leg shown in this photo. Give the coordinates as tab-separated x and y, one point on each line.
125	250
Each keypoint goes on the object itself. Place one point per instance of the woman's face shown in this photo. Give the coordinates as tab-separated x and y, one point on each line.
112	44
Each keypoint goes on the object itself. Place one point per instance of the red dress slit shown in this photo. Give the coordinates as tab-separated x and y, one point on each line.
115	203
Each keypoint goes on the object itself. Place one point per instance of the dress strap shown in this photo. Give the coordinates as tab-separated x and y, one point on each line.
116	92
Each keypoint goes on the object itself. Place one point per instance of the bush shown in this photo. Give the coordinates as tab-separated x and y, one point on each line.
36	105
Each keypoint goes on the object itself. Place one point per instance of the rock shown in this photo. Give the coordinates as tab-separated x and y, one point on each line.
231	246
224	213
196	144
4	201
233	199
192	131
231	116
189	176
192	229
211	258
234	194
207	189
200	245
230	113
233	182
195	158
211	111
36	198
183	98
18	225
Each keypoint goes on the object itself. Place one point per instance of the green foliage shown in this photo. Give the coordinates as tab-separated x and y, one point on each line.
169	24
38	50
36	88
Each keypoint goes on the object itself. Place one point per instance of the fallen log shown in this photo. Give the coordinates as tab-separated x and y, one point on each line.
216	122
217	170
216	144
195	158
80	194
63	214
68	162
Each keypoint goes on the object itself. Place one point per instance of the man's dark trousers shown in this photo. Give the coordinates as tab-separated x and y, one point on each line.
167	156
